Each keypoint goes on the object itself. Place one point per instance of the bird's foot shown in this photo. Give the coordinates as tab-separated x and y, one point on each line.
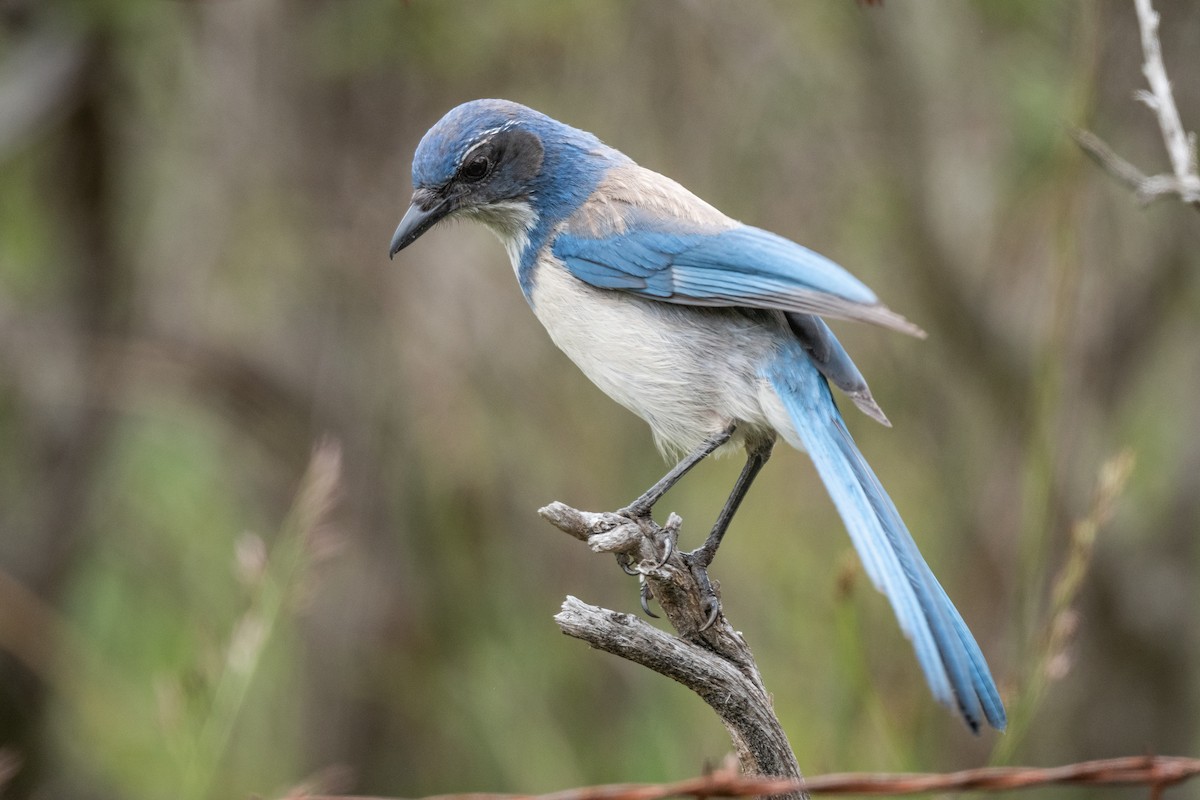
638	513
660	540
677	580
657	546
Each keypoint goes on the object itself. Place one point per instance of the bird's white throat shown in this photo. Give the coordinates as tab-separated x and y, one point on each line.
511	221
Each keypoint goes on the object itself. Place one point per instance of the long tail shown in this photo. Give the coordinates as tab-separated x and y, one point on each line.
953	664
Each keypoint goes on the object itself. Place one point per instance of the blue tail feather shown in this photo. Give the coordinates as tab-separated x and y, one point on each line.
953	664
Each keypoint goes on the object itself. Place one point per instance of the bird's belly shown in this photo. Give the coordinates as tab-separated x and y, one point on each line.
689	372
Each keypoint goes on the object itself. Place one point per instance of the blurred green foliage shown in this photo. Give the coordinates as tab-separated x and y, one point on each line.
195	203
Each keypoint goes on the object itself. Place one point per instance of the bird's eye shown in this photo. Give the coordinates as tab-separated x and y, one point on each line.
476	169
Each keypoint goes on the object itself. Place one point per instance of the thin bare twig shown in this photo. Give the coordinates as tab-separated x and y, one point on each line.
1181	147
1156	772
1184	181
1145	187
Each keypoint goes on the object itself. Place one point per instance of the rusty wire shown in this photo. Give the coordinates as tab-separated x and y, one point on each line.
1157	772
1154	772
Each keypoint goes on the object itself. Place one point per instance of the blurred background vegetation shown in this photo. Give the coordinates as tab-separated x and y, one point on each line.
195	204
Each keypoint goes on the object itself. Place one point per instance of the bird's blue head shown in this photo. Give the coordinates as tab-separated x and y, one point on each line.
505	164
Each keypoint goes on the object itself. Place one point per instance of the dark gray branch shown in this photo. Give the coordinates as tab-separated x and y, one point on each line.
715	663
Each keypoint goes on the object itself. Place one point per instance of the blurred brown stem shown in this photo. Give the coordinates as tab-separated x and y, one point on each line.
714	662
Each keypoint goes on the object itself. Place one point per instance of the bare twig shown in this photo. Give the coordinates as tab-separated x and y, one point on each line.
1145	187
715	662
1157	772
1184	181
1181	147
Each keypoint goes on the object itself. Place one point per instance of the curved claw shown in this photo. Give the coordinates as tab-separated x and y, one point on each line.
644	596
667	551
623	563
713	612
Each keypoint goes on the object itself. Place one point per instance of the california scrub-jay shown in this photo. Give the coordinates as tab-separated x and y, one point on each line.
708	329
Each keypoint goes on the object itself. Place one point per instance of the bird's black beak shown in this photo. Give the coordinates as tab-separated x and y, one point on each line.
425	212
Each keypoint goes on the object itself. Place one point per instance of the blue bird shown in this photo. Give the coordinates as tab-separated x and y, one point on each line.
708	329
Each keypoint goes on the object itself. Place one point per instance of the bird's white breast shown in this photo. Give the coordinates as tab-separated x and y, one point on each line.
689	372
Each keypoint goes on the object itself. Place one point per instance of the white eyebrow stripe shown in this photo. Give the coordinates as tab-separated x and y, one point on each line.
485	137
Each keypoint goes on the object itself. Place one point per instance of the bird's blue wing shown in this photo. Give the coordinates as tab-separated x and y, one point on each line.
827	353
738	266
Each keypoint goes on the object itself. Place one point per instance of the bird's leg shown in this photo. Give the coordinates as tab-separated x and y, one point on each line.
756	458
700	558
644	504
641	507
